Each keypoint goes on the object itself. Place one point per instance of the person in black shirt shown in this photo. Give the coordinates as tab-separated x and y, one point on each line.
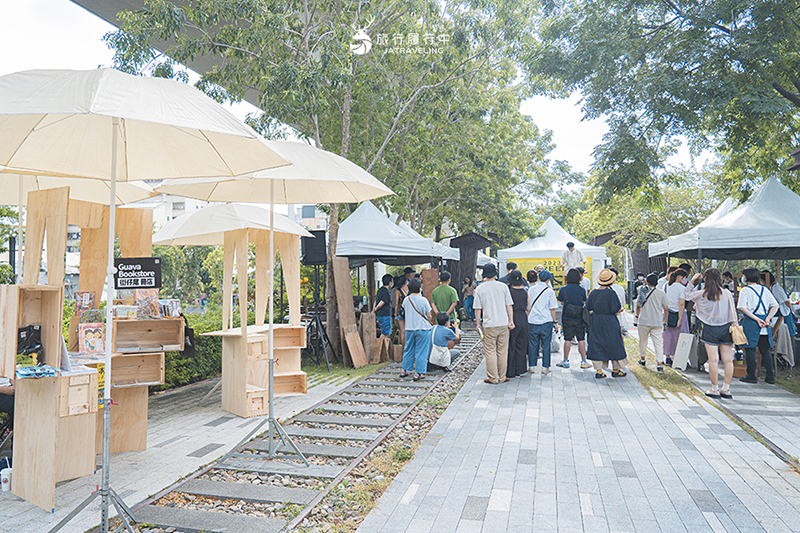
383	306
573	296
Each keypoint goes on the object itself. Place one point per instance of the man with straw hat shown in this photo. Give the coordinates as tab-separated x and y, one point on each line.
605	338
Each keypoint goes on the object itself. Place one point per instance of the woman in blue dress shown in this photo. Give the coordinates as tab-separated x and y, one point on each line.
605	336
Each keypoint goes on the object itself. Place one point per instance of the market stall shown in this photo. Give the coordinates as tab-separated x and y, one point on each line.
547	250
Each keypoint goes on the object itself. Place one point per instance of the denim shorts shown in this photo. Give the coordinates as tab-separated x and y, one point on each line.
385	322
716	335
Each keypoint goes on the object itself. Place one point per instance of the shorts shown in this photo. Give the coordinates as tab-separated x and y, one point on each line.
385	322
716	335
573	329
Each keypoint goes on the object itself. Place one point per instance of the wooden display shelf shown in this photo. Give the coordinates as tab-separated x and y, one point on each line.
132	370
153	335
245	367
22	305
54	434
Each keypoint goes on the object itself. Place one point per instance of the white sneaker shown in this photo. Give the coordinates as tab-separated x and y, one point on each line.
545	371
531	369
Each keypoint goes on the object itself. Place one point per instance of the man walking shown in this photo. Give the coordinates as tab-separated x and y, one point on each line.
511	266
383	306
652	309
541	320
444	298
572	258
494	318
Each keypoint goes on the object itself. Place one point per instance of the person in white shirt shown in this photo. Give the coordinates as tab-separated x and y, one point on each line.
651	315
572	258
418	331
662	281
541	319
785	313
714	308
494	318
758	306
620	292
677	311
586	283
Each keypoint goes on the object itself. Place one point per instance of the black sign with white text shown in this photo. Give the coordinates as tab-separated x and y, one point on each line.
137	273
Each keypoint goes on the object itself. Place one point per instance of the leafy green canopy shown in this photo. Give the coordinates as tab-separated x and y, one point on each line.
706	69
440	126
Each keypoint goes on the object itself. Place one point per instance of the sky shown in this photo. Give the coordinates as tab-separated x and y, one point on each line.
58	34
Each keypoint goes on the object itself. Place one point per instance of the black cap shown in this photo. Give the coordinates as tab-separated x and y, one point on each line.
489	271
408	270
570	244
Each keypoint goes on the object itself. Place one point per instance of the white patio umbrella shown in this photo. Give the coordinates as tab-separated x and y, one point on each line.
207	226
315	176
16	184
104	124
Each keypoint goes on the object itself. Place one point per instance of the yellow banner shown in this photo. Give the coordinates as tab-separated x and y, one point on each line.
552	265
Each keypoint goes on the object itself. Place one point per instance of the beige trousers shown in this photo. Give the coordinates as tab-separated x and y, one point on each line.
657	334
495	349
616	365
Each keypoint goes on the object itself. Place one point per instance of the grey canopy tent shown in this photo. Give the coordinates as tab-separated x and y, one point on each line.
766	226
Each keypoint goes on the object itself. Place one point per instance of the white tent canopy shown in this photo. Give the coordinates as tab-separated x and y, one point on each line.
688	240
764	227
369	234
484	259
440	250
548	249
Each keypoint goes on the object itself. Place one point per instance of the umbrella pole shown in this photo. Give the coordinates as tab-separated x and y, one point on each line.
274	426
19	234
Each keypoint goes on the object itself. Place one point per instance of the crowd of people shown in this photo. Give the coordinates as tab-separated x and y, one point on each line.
516	317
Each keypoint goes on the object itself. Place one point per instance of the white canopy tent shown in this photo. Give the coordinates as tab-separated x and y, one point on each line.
689	239
445	252
547	250
369	234
764	227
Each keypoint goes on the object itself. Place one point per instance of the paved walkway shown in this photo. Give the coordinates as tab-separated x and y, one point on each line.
182	436
568	453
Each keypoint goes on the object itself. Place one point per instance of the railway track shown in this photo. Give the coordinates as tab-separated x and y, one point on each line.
246	491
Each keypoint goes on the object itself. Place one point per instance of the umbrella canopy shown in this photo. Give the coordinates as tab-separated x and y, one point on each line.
207	226
97	191
59	122
315	176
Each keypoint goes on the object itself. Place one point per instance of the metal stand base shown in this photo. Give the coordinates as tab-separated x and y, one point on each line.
106	493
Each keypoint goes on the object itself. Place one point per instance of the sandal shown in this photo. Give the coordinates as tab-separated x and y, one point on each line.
416	377
404	374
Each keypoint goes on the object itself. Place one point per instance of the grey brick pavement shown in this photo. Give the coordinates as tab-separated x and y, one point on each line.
182	436
568	453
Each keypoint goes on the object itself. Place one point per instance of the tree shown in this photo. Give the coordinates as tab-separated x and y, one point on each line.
8	228
714	71
295	57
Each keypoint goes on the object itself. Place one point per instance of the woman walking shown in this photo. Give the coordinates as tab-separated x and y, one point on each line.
518	339
758	306
605	335
715	309
677	321
469	296
399	293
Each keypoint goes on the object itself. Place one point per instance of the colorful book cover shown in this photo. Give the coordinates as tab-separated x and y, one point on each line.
84	300
91	338
91	316
126	297
147	303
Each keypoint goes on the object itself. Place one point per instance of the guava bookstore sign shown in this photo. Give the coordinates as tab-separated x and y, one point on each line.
137	273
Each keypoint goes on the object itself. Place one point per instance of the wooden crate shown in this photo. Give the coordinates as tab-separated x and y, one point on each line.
131	370
128	420
257	401
22	305
49	445
156	335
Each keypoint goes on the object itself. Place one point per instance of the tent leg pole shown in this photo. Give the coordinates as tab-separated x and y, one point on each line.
699	260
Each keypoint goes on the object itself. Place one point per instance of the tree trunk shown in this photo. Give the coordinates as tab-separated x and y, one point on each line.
330	294
371	282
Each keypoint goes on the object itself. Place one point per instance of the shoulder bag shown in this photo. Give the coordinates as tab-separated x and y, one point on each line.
736	329
428	320
440	355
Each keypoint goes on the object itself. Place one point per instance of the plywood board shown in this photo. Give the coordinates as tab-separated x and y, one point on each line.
356	348
234	375
135	230
84	214
9	311
384	349
430	280
75	450
367	331
128	420
72	334
262	282
289	248
397	352
343	287
343	332
46	215
94	257
35	433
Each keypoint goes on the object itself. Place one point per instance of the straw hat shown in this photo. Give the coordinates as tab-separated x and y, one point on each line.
606	277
